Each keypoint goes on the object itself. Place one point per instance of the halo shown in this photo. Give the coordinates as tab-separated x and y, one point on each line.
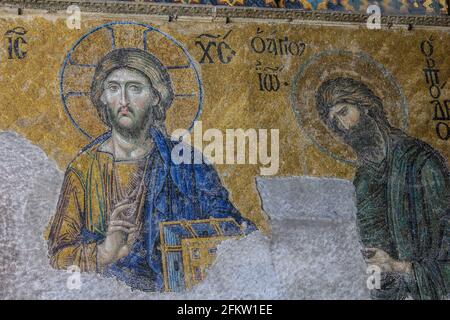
339	63
78	68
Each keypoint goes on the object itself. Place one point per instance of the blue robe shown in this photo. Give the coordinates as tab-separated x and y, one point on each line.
174	192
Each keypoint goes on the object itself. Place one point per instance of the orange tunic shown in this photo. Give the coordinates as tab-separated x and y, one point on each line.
94	182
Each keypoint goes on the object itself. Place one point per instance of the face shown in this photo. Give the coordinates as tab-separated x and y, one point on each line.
129	98
358	130
344	116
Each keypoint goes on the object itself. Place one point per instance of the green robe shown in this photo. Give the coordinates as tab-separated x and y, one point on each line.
403	209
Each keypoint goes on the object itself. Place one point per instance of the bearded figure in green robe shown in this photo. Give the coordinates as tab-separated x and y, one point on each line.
402	192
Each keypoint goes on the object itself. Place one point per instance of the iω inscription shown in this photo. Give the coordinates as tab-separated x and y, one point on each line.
441	106
268	77
214	47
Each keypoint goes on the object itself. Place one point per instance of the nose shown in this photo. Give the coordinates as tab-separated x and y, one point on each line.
336	121
124	98
342	124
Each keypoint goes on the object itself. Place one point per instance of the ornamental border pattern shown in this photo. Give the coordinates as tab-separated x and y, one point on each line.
177	10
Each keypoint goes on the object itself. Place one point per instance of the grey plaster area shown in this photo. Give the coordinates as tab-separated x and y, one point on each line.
315	245
313	251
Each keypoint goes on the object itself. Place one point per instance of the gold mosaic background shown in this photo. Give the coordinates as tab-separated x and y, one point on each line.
31	104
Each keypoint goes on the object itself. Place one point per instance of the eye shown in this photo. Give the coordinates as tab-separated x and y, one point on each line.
113	87
343	111
135	88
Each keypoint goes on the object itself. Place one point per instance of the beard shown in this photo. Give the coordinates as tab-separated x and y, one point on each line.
134	131
366	139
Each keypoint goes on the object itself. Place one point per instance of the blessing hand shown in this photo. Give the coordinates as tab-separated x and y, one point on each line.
115	245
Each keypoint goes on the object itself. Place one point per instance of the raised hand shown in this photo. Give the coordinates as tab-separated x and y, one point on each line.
121	225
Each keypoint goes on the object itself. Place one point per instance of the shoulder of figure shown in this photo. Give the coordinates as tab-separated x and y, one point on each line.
83	159
421	152
197	168
435	162
196	159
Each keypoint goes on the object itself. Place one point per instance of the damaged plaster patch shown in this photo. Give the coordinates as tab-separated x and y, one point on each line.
307	198
303	258
29	192
243	269
315	244
29	189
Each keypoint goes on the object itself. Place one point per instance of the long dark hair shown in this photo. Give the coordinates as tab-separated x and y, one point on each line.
350	91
